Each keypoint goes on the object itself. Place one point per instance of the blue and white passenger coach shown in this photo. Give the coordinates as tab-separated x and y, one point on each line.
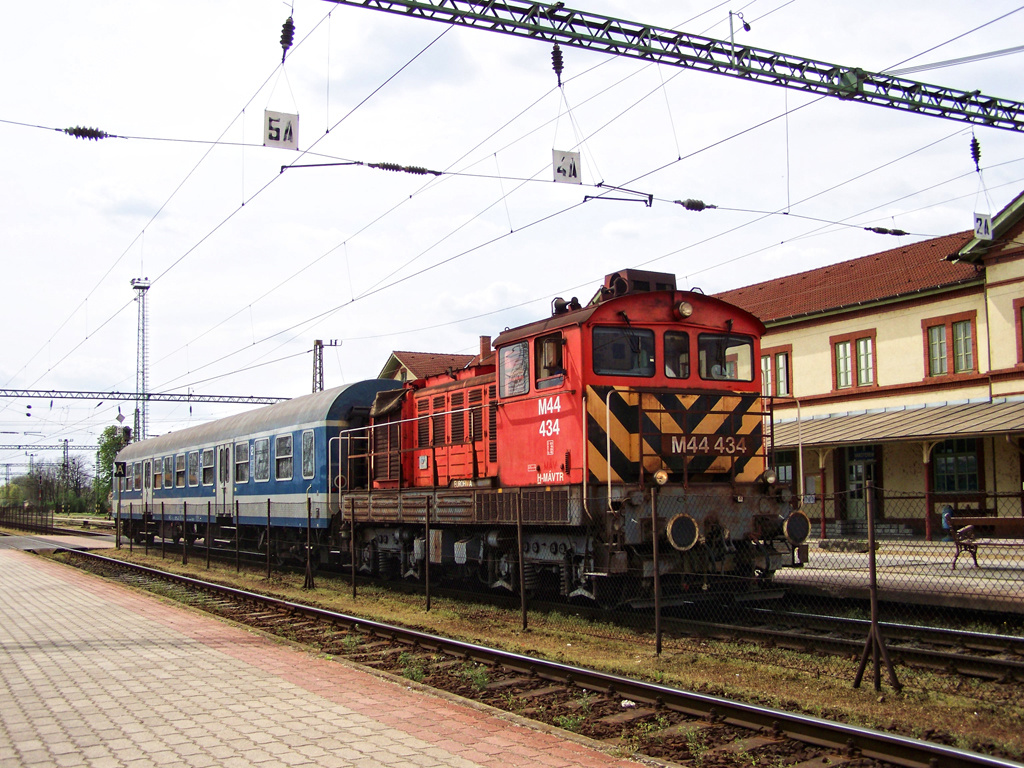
232	472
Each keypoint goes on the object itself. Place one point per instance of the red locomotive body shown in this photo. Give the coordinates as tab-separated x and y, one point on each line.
577	441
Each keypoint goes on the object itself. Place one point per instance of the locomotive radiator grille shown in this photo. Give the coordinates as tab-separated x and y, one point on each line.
691	433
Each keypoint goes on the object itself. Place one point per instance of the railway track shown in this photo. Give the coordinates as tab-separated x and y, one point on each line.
631	715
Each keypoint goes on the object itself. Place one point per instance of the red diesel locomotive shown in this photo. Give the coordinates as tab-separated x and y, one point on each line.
555	460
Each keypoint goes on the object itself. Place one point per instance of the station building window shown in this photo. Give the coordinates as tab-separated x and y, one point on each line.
950	344
955	466
853	360
775	373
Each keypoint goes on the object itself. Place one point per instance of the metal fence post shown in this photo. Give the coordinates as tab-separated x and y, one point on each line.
163	530
238	536
309	583
522	572
657	573
426	560
207	535
268	539
875	645
184	533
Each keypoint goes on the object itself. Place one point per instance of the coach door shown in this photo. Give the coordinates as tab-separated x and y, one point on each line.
147	484
225	488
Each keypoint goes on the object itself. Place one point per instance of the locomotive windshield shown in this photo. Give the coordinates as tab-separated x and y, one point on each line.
623	351
725	357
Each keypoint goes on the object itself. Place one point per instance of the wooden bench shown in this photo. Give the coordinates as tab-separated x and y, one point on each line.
965	542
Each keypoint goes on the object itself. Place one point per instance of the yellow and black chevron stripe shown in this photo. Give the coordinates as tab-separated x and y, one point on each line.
696	433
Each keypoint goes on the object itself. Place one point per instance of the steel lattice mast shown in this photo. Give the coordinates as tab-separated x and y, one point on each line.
141	286
555	23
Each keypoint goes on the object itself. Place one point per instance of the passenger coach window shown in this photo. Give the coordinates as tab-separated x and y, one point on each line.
514	370
677	355
193	468
208	467
261	452
623	351
241	462
725	357
179	470
547	364
158	473
308	455
168	471
138	476
283	456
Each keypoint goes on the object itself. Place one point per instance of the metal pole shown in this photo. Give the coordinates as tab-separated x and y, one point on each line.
352	546
117	535
208	535
268	539
184	533
657	574
875	645
309	582
426	560
522	573
163	530
238	536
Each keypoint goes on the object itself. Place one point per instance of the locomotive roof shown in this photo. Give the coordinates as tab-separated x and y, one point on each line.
329	405
580	316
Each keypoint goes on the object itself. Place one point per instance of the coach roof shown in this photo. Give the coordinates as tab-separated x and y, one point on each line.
331	405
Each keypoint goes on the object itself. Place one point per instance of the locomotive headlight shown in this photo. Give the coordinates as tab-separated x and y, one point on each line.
683	309
768	477
661	477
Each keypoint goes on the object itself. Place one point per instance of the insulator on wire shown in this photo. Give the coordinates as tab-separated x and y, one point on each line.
287	36
976	153
556	62
884	231
694	205
417	169
86	133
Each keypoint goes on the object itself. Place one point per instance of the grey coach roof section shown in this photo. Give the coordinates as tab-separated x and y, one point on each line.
910	423
329	405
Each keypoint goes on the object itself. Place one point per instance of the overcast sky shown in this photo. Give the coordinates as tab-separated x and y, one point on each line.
250	264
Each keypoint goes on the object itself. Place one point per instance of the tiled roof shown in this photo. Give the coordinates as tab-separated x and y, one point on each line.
897	272
424	364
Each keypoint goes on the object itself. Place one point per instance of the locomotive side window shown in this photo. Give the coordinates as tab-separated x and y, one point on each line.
168	471
623	351
514	369
548	361
283	457
725	357
193	468
208	467
242	462
261	454
308	456
179	470
677	355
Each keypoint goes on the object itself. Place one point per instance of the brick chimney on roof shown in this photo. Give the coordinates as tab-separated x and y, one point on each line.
485	346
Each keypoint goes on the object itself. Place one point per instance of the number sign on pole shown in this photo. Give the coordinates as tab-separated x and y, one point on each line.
280	130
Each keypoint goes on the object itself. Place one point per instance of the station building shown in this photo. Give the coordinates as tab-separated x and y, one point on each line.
901	374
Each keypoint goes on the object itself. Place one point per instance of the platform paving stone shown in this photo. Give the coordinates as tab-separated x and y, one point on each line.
93	674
